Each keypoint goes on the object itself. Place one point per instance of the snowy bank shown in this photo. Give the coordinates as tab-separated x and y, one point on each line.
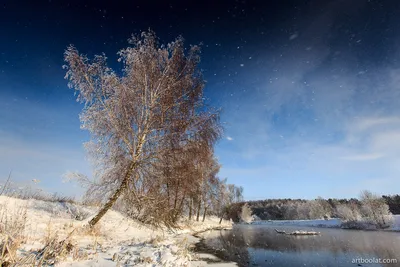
115	241
395	223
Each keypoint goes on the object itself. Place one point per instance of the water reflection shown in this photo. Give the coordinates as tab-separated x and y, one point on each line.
261	246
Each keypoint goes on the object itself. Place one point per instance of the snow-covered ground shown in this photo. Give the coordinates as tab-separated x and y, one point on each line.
116	241
396	223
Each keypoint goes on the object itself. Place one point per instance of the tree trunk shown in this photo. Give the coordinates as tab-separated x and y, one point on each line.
110	202
190	208
179	211
220	221
198	211
204	214
169	200
176	196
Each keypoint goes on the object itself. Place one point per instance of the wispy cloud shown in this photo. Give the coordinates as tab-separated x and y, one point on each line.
366	153
362	157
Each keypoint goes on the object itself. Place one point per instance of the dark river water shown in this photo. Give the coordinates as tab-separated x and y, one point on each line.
260	245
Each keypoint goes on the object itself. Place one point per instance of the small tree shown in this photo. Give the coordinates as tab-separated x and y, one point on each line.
220	201
224	197
291	211
134	118
246	214
303	210
375	209
319	208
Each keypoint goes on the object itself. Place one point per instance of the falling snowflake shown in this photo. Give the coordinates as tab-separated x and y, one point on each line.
293	36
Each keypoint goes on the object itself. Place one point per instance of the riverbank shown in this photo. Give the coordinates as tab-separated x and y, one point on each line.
115	241
329	223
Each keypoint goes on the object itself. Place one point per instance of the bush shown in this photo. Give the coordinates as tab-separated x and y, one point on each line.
245	214
375	210
347	212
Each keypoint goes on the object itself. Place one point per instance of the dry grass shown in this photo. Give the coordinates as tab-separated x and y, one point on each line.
12	229
55	249
50	233
14	235
155	241
184	250
141	260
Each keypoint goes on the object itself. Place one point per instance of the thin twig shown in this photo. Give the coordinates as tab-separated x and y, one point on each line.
6	184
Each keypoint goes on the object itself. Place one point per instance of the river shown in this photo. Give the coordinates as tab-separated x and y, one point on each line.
260	245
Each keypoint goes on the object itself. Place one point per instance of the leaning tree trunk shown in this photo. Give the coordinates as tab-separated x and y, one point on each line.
110	202
124	183
220	220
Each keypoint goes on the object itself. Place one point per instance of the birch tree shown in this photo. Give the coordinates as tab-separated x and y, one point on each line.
135	116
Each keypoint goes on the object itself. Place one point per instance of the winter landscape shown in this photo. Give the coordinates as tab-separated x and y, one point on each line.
33	225
29	225
199	133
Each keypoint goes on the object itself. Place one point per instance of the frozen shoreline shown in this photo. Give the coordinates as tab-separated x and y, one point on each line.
116	241
331	223
322	223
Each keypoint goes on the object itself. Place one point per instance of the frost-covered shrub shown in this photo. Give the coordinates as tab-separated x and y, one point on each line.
317	209
291	212
246	214
348	212
312	209
373	213
303	211
375	210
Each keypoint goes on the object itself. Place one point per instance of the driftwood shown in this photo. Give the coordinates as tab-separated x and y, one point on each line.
298	232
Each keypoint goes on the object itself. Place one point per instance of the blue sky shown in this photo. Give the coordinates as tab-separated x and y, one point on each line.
310	104
337	142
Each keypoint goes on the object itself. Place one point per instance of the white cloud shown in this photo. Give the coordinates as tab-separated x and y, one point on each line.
362	157
229	138
338	169
364	124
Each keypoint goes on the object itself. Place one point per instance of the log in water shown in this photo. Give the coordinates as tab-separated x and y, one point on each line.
297	232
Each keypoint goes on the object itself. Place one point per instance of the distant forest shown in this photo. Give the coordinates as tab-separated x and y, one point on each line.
289	209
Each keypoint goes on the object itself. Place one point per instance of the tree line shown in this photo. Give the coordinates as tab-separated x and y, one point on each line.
369	208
